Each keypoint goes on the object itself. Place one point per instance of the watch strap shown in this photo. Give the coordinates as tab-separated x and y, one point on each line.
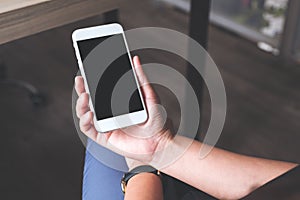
137	170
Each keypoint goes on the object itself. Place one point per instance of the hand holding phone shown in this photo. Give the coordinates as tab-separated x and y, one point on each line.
132	145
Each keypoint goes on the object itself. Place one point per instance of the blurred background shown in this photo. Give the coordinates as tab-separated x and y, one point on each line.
255	44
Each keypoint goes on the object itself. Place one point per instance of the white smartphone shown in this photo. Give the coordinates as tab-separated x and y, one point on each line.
91	60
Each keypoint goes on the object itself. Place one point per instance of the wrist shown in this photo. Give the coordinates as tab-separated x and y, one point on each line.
131	163
141	177
170	151
166	137
143	169
144	186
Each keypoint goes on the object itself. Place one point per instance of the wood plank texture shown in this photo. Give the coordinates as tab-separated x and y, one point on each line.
40	17
10	5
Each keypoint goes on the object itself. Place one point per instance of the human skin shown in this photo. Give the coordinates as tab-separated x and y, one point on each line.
144	186
222	174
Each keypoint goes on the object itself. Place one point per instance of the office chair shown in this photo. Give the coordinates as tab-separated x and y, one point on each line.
36	97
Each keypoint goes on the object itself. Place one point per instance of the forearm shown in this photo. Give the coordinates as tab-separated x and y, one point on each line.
144	186
223	174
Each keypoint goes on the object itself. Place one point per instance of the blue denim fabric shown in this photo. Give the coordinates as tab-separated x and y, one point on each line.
100	181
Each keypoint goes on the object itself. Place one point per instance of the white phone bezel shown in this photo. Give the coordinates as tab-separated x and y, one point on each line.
116	122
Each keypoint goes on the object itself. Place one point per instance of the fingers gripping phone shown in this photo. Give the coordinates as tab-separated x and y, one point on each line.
86	43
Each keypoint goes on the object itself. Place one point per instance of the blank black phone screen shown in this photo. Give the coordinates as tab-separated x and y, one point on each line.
102	94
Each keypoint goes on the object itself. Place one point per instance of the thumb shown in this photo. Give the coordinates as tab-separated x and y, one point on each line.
142	78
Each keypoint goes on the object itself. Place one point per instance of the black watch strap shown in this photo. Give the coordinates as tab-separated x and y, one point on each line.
140	169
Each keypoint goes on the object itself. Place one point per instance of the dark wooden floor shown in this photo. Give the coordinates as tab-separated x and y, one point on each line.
41	154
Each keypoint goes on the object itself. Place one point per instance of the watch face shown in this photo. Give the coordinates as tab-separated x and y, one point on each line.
123	186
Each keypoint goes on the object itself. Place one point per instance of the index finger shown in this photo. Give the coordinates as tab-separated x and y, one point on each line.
79	85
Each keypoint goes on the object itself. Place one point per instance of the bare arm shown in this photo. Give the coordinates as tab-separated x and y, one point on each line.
144	186
224	174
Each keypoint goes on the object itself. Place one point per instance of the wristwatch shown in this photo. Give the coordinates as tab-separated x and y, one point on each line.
140	169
